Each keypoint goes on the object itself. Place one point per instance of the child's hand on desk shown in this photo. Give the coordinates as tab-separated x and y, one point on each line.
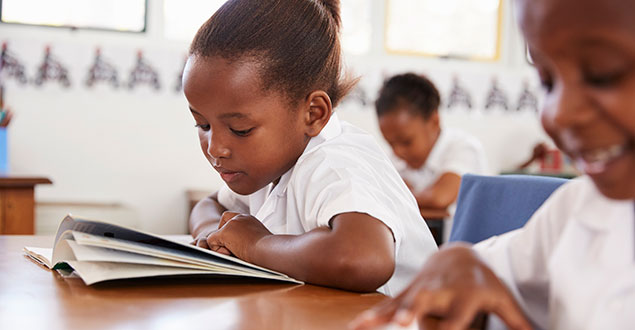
449	292
237	235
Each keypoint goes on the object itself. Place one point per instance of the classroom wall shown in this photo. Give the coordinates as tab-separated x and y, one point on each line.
132	154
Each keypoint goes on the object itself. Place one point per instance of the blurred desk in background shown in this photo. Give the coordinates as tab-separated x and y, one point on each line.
17	204
564	175
435	218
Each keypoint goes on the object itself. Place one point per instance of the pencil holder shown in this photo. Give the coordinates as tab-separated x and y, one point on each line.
4	151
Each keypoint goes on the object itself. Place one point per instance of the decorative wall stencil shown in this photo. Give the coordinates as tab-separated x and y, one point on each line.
527	99
496	97
52	69
11	66
459	96
101	71
143	73
357	95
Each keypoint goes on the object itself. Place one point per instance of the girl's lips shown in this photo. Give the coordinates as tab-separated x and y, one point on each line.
596	161
227	175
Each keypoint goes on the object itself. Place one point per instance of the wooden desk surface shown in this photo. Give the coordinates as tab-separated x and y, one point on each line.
20	181
34	297
434	214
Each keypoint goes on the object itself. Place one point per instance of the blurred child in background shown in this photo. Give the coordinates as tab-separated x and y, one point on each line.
432	159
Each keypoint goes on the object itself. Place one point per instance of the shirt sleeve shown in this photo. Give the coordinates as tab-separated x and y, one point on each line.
520	257
233	201
344	190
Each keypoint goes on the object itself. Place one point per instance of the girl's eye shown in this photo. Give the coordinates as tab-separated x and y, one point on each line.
203	127
241	133
603	80
545	80
547	84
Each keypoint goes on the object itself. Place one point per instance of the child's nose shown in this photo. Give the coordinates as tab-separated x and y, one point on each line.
569	106
216	147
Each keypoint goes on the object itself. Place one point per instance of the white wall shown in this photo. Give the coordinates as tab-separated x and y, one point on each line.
138	149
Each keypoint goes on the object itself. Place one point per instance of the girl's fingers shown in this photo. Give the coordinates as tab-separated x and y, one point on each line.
223	250
226	217
511	315
202	243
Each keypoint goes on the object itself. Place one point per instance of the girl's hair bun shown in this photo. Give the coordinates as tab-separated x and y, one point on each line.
333	7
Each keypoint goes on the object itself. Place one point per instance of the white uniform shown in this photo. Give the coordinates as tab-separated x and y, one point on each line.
572	266
342	170
454	152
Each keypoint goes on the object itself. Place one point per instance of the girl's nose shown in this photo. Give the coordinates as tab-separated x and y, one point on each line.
568	106
216	148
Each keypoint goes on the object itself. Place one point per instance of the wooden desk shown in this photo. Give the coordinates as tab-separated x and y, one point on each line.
17	204
33	297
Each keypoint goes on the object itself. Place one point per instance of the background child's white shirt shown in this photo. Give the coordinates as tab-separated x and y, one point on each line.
454	151
573	264
343	170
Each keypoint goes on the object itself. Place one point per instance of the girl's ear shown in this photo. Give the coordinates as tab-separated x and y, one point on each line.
318	112
434	121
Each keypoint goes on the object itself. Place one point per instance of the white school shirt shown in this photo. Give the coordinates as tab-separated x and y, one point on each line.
454	152
342	170
572	266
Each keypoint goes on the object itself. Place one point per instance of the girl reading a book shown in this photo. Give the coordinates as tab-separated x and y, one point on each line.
572	266
304	193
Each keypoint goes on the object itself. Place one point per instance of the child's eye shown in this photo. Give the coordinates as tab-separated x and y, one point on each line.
603	80
241	133
545	80
547	84
203	127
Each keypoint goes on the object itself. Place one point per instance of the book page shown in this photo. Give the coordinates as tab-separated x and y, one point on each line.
94	272
93	253
103	229
161	252
42	255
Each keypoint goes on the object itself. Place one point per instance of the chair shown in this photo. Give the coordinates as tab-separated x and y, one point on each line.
492	205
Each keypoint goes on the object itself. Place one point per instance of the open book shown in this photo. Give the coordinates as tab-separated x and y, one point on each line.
98	251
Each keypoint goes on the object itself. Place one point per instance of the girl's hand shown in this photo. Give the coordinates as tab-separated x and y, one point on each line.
237	235
452	288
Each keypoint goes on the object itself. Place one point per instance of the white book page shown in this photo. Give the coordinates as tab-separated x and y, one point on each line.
94	272
41	255
93	253
155	251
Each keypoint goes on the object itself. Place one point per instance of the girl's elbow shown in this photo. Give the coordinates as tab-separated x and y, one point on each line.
366	273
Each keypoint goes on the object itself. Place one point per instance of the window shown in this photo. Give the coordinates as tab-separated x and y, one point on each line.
429	27
182	18
356	26
118	15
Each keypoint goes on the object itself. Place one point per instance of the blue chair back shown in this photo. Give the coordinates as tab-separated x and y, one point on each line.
492	205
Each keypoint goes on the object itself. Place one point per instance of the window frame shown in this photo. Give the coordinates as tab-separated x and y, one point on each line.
87	28
495	58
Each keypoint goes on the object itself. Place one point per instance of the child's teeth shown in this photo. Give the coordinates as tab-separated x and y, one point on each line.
603	155
590	167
